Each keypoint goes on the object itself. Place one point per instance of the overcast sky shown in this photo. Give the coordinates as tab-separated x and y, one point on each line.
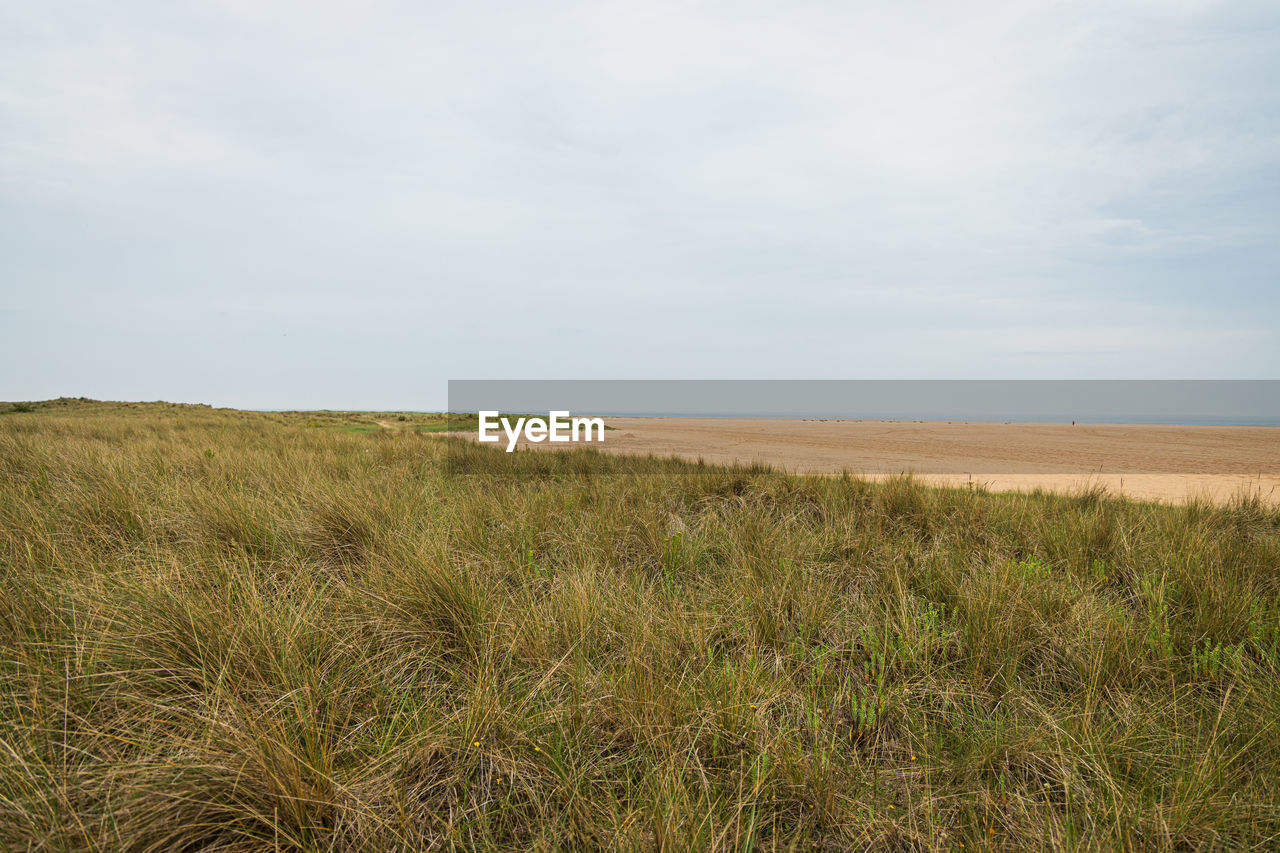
343	205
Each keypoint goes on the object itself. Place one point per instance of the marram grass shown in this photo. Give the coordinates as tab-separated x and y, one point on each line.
238	631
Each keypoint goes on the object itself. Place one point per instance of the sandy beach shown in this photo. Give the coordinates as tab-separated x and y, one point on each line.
1170	463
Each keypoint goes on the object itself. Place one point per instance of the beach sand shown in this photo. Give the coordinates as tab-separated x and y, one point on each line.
1169	463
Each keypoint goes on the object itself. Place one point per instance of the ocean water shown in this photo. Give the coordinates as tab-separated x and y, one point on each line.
1198	419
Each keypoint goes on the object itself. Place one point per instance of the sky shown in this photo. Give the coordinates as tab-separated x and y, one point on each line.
345	205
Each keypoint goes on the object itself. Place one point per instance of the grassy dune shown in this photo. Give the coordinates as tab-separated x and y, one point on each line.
238	631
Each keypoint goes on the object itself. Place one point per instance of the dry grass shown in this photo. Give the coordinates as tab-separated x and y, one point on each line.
234	631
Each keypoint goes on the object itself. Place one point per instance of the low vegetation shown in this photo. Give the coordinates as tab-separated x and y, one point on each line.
235	631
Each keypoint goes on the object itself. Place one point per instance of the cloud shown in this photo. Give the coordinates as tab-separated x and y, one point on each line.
704	189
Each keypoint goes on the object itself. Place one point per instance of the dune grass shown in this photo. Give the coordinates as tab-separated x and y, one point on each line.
231	631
